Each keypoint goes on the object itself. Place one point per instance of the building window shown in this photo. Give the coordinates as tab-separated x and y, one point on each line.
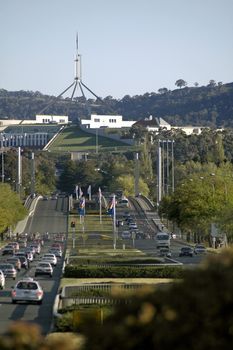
96	120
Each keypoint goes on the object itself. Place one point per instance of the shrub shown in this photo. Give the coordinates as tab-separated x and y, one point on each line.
123	272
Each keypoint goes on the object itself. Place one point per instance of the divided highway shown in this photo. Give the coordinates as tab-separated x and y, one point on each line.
50	216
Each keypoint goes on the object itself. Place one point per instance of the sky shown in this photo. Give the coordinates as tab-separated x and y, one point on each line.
128	47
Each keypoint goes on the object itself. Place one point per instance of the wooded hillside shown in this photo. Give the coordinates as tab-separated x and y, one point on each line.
210	105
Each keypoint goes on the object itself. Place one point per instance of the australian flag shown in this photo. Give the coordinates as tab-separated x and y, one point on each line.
111	206
81	209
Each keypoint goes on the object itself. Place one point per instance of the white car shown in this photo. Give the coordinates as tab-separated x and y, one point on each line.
27	290
2	280
44	268
51	258
126	235
199	249
133	226
56	251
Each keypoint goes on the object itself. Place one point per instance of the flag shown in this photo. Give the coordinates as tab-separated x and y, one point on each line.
76	192
111	206
80	193
89	191
81	208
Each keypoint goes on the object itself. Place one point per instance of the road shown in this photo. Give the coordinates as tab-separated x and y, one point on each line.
144	218
50	216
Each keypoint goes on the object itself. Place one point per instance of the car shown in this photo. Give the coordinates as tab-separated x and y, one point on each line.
15	245
8	270
15	261
44	268
37	247
31	250
24	254
23	260
199	249
27	290
56	251
126	235
186	251
50	258
45	198
165	252
57	245
133	226
8	250
2	280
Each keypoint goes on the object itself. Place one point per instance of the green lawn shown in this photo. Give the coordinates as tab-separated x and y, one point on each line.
73	138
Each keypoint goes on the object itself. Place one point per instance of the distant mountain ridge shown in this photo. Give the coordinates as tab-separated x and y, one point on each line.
210	106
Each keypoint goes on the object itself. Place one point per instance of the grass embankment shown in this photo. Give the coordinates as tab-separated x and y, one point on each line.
73	138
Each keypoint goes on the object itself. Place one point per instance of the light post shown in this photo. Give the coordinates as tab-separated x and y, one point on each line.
2	152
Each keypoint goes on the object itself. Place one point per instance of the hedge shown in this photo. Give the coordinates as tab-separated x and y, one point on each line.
123	272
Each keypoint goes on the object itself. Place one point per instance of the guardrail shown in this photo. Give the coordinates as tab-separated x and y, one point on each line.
69	295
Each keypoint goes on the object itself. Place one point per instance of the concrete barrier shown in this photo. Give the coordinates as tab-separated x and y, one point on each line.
20	227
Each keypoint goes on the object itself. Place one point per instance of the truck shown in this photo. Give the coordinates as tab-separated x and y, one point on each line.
162	240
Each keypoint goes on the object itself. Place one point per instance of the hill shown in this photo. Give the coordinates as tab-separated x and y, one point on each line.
210	105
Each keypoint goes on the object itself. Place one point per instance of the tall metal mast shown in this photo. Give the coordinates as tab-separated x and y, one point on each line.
77	83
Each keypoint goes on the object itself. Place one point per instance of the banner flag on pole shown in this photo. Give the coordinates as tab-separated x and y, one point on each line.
76	192
81	208
100	203
80	193
89	192
111	206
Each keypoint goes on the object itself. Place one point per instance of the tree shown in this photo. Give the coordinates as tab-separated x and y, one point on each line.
163	90
154	319
11	208
196	84
212	83
180	83
126	183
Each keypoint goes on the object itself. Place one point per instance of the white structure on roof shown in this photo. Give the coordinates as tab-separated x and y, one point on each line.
47	119
157	124
106	121
40	119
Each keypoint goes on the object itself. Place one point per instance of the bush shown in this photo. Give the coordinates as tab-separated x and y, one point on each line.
194	314
123	272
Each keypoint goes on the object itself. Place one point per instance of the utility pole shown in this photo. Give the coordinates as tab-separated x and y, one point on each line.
136	184
3	165
19	183
159	175
32	173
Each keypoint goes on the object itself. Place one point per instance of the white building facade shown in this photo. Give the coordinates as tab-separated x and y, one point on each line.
106	121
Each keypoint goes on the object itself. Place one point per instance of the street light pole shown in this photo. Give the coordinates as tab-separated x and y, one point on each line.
3	165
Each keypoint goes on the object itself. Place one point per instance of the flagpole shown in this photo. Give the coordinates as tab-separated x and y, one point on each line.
100	202
114	221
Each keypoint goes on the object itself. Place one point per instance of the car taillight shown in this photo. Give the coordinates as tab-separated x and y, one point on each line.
39	294
13	293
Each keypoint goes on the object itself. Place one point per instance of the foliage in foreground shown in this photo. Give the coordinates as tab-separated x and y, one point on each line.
195	314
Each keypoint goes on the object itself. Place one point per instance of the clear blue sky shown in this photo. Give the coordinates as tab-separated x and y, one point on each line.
128	47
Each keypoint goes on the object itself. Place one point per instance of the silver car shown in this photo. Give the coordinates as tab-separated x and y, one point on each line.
2	280
8	270
44	268
51	258
27	290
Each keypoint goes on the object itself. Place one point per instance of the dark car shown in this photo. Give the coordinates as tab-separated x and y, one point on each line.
8	250
24	261
186	251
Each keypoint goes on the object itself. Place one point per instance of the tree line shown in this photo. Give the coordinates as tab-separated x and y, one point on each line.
210	105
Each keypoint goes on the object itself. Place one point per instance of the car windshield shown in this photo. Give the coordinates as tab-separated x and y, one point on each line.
27	285
162	237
